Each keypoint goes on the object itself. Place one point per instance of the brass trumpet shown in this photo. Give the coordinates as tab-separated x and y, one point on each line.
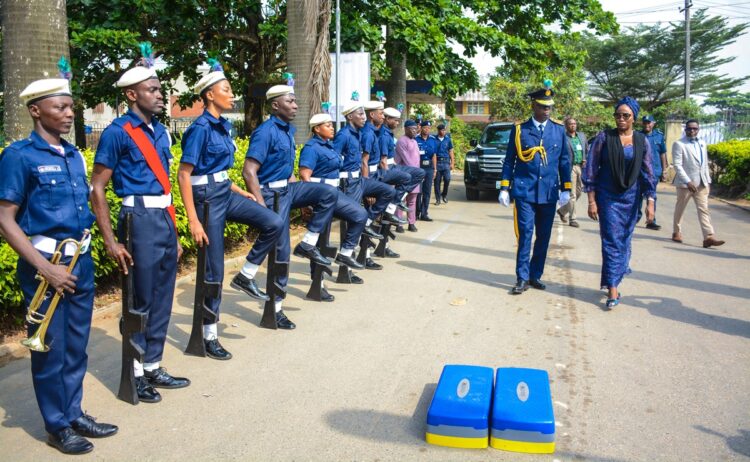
36	341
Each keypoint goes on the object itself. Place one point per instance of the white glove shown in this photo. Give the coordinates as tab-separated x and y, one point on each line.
504	198
564	199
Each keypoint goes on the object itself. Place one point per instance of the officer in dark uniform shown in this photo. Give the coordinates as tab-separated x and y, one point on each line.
347	144
404	177
44	200
134	152
536	168
369	135
428	161
269	168
655	138
207	154
320	163
445	163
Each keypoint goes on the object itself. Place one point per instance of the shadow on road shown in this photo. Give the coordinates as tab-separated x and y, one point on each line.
384	426
654	278
738	443
478	276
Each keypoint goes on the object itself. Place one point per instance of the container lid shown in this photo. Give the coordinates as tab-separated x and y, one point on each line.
522	401
462	397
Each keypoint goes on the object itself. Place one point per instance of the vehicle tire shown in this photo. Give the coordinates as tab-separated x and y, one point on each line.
472	194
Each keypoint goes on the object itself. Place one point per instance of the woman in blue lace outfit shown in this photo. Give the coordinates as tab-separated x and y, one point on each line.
618	170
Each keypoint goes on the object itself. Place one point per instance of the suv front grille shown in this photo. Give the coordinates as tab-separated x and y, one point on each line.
491	163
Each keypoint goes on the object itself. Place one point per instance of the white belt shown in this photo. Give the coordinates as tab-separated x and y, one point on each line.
373	168
426	163
48	245
390	162
329	181
219	177
150	202
274	184
354	174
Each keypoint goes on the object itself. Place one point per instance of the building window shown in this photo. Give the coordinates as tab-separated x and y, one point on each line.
475	108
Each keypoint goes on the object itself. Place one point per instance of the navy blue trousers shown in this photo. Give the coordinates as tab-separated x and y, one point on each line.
355	216
442	177
154	273
397	178
356	188
528	217
320	196
416	176
225	205
424	205
58	374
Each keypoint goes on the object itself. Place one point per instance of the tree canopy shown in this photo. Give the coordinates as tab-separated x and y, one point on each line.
647	62
518	31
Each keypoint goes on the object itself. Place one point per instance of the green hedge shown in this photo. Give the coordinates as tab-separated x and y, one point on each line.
731	167
462	134
106	269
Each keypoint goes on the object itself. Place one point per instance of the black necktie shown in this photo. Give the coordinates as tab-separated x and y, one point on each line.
541	130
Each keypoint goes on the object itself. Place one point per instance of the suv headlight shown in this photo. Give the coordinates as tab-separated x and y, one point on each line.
471	158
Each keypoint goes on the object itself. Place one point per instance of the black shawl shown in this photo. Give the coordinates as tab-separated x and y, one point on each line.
624	174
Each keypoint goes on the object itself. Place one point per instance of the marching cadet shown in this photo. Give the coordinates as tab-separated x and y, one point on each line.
207	154
428	161
445	163
536	168
388	167
134	152
347	145
372	153
320	163
269	168
43	201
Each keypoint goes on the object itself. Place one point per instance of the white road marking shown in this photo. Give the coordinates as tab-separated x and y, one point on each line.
561	404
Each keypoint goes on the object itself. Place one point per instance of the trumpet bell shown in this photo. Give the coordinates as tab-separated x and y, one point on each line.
35	343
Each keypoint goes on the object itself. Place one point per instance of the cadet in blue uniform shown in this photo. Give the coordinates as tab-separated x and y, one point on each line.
269	168
445	163
134	152
44	200
404	177
369	135
428	160
536	168
348	146
207	153
320	163
658	144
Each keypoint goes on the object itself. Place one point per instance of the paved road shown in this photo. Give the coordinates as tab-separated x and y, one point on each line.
665	376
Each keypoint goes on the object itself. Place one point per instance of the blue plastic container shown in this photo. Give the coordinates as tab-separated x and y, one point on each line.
522	415
460	410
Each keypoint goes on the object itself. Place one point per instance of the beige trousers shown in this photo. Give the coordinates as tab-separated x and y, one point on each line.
575	193
700	197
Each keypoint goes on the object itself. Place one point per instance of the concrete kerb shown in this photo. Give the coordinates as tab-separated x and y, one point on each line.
12	350
734	204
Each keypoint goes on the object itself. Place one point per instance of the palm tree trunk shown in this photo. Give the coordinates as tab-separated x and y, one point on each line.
301	38
395	87
35	35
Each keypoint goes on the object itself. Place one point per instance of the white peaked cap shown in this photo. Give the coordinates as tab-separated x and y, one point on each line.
279	90
351	107
372	105
208	80
136	75
45	88
392	112
318	119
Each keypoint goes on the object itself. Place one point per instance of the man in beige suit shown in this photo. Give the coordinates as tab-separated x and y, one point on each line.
692	180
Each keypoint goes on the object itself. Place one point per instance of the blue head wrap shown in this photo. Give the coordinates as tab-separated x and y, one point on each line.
410	123
631	103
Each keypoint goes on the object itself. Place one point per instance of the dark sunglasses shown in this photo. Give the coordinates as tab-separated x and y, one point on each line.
691	129
622	115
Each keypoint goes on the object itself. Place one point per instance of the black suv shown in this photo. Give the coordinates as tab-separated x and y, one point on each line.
483	166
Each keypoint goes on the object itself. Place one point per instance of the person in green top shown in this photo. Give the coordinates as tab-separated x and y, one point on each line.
577	145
